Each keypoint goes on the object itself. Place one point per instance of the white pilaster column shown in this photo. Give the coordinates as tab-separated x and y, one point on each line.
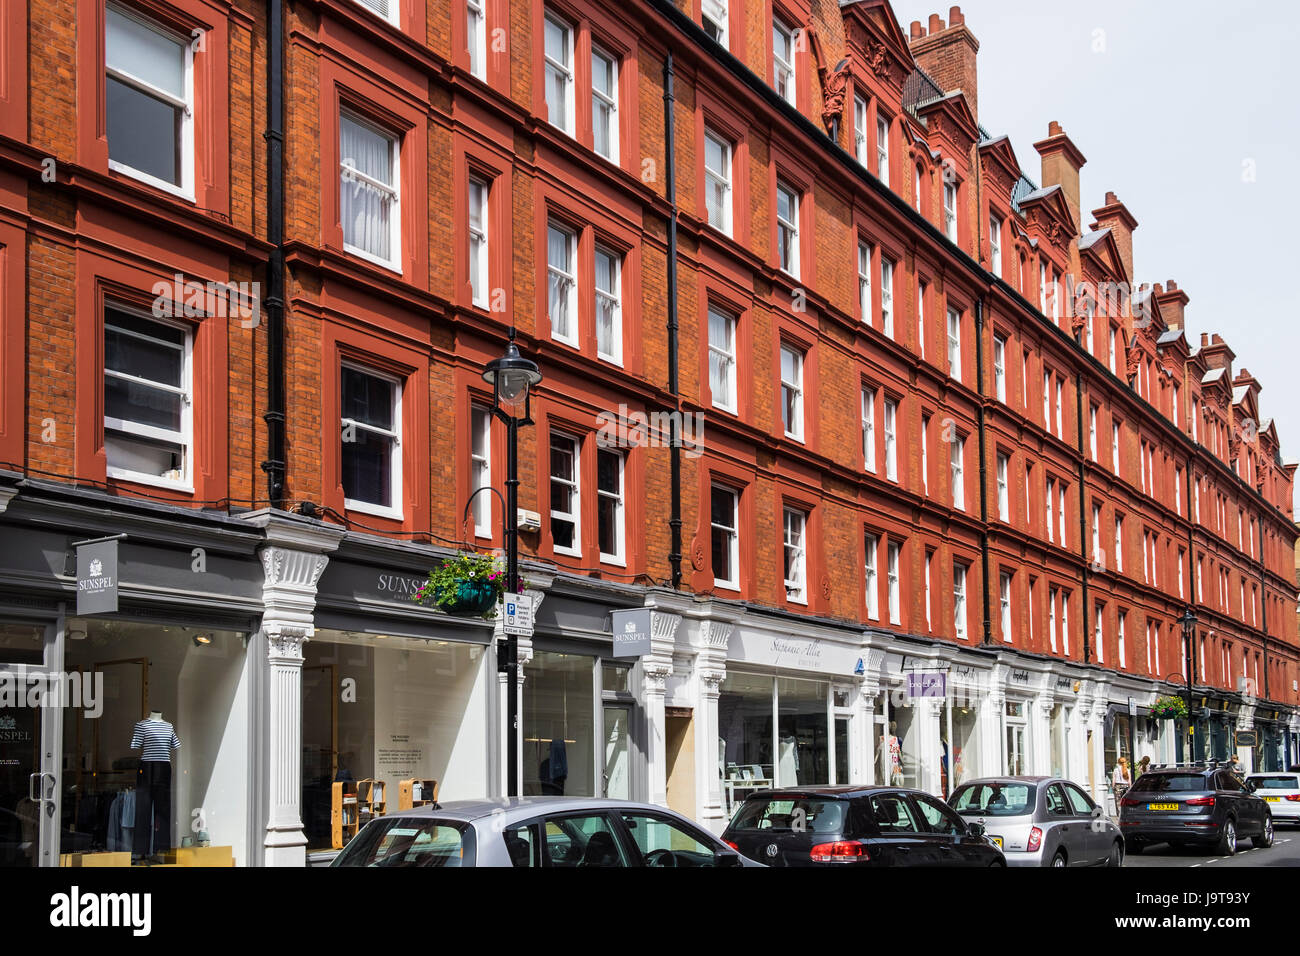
863	761
710	671
993	738
656	668
928	752
293	559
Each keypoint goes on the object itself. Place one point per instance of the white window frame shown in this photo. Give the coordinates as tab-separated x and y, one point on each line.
894	557
999	368
995	245
733	533
891	439
608	100
959	600
721	177
787	231
1060	498
184	437
348	171
480	427
394	434
887	296
1098	632
714	13
479	239
184	189
957	468
613	298
1060	432
1119	543
573	517
929	557
920	318
1114	447
556	272
391	14
727	354
619	555
950	211
796	389
1049	495
783	73
925	454
954	344
796	588
476	37
1052	594
1092	432
869	429
1042	287
860	129
871	579
554	67
1004	599
882	148
865	256
1004	493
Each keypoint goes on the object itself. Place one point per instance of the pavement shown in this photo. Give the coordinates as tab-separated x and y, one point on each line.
1285	851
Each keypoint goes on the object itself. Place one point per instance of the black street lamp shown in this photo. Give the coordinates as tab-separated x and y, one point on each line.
512	377
1188	621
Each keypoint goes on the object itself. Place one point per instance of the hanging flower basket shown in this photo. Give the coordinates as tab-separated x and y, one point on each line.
1169	708
468	585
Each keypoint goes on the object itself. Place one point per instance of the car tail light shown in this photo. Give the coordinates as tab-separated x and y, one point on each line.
1293	797
732	845
841	851
1199	801
1131	802
1035	840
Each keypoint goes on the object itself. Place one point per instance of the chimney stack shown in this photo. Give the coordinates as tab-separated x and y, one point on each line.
948	54
1061	164
1116	217
1172	303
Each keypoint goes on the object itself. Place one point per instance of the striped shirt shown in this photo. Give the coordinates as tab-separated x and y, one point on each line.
157	737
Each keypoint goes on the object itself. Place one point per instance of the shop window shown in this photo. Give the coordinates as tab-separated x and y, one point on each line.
724	520
417	710
481	468
609	506
562	283
148	400
149	102
717	180
559	73
371	438
369	197
609	306
795	556
604	104
722	359
749	707
558	725
565	522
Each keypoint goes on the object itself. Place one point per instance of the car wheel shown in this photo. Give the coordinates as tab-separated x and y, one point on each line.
1116	857
1265	839
1059	859
1228	839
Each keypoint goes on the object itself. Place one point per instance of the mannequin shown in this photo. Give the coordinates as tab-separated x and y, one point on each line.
153	801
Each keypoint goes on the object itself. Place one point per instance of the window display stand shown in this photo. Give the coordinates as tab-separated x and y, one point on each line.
406	799
344	813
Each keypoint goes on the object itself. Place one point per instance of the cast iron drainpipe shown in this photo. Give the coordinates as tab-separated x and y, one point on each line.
675	424
984	484
1083	519
273	301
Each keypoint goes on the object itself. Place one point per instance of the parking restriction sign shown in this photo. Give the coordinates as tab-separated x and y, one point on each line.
518	614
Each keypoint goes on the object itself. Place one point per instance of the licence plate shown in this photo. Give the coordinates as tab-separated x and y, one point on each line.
1162	806
1273	799
997	842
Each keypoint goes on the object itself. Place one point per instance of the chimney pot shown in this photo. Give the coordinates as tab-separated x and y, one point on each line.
1171	285
1159	289
955	17
917	31
1205	339
1111	199
1053	128
936	25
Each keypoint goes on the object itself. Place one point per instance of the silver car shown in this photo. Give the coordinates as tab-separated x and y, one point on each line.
537	832
1041	821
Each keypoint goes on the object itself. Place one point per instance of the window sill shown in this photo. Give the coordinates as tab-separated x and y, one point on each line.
155	481
566	552
388	264
726	585
613	560
570	342
379	511
178	191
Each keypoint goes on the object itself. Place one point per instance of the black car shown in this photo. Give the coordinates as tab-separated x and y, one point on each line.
862	826
1193	805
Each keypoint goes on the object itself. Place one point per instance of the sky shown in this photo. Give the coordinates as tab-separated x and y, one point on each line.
1186	111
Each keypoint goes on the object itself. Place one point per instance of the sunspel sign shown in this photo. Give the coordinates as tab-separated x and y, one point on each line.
631	632
97	577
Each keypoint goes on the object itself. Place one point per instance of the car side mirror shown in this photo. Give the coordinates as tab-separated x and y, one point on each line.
975	829
726	858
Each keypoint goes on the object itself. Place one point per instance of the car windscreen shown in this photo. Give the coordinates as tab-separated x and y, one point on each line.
1171	783
802	815
1283	782
410	842
1011	799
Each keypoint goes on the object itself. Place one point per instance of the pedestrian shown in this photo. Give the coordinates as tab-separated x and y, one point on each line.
1235	767
1142	767
1120	779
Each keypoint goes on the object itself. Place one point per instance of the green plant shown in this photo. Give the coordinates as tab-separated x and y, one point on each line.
469	580
1169	708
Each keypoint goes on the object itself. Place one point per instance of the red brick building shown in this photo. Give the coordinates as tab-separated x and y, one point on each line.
934	421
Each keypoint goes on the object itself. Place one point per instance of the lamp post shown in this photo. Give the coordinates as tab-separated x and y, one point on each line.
1188	621
512	377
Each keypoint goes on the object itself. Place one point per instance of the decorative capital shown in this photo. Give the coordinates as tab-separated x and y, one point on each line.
716	635
284	642
7	495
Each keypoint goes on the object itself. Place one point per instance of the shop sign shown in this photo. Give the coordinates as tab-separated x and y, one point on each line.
398	585
631	632
1063	683
1132	707
1020	677
1247	738
927	685
518	616
97	577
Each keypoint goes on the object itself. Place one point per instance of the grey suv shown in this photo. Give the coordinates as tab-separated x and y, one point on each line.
1199	804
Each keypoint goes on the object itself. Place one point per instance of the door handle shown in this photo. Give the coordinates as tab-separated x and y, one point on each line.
52	785
34	788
